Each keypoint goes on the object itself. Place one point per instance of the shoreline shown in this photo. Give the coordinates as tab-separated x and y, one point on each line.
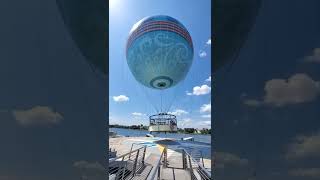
168	132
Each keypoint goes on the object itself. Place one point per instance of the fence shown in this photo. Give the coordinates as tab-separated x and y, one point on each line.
127	165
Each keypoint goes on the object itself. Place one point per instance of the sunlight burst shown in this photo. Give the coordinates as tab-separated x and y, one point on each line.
113	3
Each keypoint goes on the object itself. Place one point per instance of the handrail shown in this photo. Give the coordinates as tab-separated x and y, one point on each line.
195	166
132	147
200	165
156	169
123	155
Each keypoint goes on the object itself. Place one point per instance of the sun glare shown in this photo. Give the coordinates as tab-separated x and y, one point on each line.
113	3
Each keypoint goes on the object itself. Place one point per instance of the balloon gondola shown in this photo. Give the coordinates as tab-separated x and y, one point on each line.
163	122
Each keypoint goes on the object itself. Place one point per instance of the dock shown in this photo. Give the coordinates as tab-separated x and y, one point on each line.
147	158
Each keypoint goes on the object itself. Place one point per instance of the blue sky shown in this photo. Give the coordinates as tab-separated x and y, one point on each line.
137	102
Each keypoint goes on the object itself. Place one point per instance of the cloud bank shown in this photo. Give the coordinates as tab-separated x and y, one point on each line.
120	98
206	108
299	88
306	172
200	90
179	112
38	115
223	159
315	57
304	147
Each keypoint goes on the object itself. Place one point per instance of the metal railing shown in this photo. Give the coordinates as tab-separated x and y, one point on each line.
112	153
131	164
155	173
197	170
127	165
196	154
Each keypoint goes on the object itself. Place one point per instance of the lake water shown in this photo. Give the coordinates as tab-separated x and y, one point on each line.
132	132
201	142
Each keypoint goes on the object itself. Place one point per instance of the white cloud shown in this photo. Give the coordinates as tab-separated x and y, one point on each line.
178	112
204	124
90	170
223	159
202	54
315	57
89	165
304	147
206	108
252	102
120	98
111	119
38	115
206	116
208	42
185	122
194	123
243	95
138	114
299	88
200	90
118	120
209	79
307	172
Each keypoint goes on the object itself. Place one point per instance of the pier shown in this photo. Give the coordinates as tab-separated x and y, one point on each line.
141	158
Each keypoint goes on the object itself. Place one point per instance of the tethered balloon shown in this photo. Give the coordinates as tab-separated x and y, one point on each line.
159	52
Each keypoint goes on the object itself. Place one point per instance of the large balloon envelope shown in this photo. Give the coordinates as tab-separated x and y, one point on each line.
87	22
232	22
159	52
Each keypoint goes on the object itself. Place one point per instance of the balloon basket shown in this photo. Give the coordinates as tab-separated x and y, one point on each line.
163	122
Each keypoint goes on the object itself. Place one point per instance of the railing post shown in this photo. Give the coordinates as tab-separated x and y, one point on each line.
155	173
135	163
124	170
202	158
165	157
131	150
184	163
158	177
144	154
120	169
191	170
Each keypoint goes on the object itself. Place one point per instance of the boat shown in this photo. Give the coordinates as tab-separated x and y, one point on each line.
187	139
149	135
